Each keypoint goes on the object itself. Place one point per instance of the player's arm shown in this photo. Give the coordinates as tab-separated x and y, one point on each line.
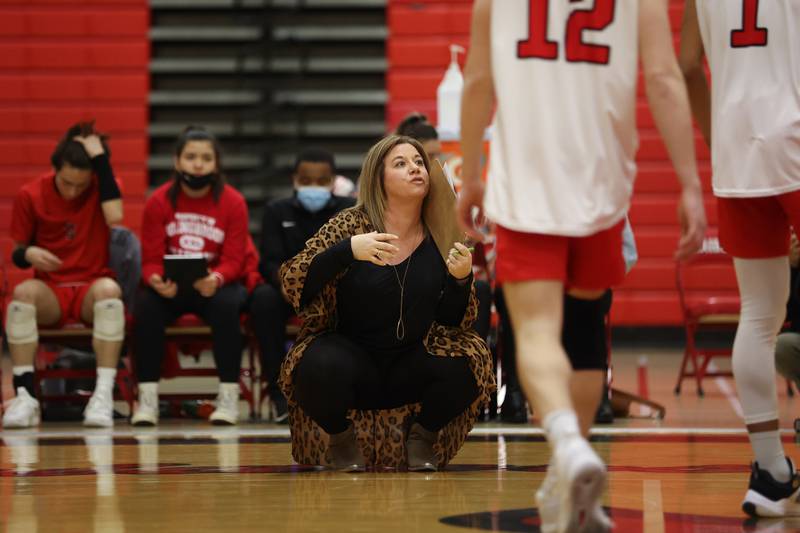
669	104
477	102
690	60
110	195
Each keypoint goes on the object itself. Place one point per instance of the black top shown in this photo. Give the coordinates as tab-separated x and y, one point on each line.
793	305
368	296
286	226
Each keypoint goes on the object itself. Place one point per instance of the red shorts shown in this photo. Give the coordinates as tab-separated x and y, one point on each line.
593	262
755	228
70	300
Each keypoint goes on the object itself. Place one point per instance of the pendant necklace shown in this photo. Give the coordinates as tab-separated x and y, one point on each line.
400	331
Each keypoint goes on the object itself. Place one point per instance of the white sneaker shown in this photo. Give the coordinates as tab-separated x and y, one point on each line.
147	408
22	411
570	501
99	412
227	411
547	503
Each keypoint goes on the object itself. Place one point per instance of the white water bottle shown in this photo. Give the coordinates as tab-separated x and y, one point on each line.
448	98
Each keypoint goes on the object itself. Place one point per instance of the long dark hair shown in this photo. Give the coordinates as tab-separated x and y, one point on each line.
416	126
197	133
70	151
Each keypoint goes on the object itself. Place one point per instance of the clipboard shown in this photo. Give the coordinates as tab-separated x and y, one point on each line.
439	211
185	269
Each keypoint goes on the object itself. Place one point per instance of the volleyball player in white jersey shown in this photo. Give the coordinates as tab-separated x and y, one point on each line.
753	117
563	75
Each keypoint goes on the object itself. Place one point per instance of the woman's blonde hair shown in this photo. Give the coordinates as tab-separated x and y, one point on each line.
371	189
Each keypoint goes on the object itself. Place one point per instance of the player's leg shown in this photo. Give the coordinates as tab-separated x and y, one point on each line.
755	231
33	302
534	291
101	306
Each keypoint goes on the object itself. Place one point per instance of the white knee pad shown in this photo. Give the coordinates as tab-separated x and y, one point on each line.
109	320
21	323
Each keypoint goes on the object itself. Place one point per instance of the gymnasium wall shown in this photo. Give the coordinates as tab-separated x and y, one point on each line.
62	61
417	49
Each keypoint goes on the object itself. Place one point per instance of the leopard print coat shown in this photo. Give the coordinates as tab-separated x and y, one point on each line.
380	433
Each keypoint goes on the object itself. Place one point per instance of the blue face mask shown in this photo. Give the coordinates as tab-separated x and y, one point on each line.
313	198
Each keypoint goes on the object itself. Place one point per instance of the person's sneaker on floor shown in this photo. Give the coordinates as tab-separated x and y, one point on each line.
146	413
547	501
99	412
605	412
766	497
227	411
580	477
22	411
278	407
514	409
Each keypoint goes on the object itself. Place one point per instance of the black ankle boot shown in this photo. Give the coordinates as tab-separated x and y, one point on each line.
419	449
344	452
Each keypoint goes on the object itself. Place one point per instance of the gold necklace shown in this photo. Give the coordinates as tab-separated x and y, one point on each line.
400	330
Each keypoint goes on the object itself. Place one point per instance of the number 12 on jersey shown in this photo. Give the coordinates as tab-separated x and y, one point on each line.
537	45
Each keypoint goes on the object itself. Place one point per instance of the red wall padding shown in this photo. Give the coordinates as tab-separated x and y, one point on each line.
418	54
62	61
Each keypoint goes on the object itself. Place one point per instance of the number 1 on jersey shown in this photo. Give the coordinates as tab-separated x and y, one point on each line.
538	46
750	34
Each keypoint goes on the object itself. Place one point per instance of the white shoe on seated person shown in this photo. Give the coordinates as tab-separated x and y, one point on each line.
22	411
227	411
99	412
147	410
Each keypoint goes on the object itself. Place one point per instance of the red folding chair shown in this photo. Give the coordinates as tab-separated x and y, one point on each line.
189	335
709	300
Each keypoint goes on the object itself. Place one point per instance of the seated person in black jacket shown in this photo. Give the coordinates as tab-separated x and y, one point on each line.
787	347
286	225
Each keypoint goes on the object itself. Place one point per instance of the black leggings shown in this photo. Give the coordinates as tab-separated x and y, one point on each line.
270	313
335	375
221	312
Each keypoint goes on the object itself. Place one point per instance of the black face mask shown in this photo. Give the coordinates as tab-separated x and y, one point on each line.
197	182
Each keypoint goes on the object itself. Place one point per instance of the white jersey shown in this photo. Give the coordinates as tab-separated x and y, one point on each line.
564	135
753	49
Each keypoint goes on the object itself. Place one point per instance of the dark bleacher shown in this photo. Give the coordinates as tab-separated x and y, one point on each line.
269	77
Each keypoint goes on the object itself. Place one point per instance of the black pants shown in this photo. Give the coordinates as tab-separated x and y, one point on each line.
270	313
507	341
336	375
483	292
221	312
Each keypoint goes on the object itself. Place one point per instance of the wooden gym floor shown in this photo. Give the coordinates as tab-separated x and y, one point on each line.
685	473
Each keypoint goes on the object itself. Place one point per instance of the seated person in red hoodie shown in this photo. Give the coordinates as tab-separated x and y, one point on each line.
60	227
196	212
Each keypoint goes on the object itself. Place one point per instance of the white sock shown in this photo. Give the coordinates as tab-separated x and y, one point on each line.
768	450
148	388
19	370
224	387
105	378
560	424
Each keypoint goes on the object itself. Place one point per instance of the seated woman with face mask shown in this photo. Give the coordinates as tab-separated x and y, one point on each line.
386	371
194	213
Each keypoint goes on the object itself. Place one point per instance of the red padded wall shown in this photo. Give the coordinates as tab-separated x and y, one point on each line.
417	50
62	61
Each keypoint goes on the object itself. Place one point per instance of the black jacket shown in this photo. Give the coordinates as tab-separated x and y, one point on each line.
793	305
285	228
